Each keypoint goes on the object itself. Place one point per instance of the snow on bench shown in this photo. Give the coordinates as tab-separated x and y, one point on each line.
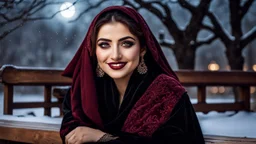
45	130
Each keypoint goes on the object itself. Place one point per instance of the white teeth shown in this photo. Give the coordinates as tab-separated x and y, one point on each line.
116	64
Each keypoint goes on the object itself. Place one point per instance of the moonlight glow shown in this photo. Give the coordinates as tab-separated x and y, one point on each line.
67	10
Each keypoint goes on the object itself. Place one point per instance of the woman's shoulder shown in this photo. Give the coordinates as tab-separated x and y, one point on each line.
167	82
165	77
155	106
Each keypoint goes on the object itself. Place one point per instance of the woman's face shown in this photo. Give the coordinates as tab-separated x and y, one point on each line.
117	50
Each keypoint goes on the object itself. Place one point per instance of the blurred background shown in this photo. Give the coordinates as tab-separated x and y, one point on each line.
209	35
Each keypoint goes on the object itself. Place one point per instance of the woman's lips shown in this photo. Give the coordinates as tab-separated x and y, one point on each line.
117	65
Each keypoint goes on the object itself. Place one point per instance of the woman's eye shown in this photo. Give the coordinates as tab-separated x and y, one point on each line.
127	44
103	45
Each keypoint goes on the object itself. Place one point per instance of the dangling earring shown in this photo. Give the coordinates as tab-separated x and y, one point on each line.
142	68
99	71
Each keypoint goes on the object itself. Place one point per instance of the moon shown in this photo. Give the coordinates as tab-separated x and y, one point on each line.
67	10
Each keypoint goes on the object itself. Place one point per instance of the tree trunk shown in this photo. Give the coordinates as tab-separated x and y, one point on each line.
236	62
235	58
185	56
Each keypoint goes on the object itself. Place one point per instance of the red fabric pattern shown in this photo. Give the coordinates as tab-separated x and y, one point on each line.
154	107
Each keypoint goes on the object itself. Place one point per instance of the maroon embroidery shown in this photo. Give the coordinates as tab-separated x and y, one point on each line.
154	107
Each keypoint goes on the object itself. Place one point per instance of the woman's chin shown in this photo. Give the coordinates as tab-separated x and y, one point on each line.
120	75
117	76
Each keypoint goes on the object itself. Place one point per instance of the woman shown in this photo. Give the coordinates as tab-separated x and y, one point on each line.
123	89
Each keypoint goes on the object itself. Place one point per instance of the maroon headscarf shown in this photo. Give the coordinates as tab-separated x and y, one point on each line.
80	69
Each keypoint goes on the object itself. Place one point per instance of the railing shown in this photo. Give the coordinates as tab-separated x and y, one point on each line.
12	76
29	130
201	79
13	129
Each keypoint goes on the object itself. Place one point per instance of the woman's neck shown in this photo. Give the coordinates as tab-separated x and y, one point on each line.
121	85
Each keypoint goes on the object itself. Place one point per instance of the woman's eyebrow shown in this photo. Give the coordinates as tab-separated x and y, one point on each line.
121	39
103	39
127	37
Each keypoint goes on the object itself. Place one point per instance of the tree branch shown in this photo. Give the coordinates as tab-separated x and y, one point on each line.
166	20
128	2
208	41
52	16
169	45
187	5
164	6
246	7
207	28
22	14
88	9
25	15
198	14
148	6
218	29
163	42
40	7
4	34
5	17
248	37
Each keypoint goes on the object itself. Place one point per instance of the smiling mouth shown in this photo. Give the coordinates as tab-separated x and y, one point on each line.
116	65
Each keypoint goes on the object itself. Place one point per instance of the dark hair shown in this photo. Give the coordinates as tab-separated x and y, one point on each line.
117	16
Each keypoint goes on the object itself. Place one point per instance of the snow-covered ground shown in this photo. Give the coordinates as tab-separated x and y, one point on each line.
241	124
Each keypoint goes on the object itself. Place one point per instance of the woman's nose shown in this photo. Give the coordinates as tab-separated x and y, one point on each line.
116	55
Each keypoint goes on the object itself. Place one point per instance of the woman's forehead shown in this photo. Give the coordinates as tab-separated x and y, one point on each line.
114	30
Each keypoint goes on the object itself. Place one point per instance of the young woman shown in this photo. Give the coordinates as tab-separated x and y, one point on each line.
123	89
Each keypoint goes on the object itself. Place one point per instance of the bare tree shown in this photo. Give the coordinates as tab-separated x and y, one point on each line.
186	41
14	14
237	41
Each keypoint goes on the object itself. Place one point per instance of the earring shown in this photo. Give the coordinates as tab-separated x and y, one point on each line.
99	71
142	68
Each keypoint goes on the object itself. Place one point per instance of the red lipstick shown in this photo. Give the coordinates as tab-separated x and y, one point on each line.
116	65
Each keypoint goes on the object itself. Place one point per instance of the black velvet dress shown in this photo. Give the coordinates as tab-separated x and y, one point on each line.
182	125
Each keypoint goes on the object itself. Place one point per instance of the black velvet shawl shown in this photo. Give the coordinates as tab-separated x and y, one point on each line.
182	127
113	114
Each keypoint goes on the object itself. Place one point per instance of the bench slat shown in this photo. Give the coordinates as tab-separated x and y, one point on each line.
210	78
36	76
206	107
14	129
30	132
33	76
17	105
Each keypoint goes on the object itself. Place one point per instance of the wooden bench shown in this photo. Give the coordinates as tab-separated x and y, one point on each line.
201	79
33	130
12	76
29	130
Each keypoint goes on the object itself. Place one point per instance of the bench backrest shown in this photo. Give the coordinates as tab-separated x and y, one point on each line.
13	75
48	77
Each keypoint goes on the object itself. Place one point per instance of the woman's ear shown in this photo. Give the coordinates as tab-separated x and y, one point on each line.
143	51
